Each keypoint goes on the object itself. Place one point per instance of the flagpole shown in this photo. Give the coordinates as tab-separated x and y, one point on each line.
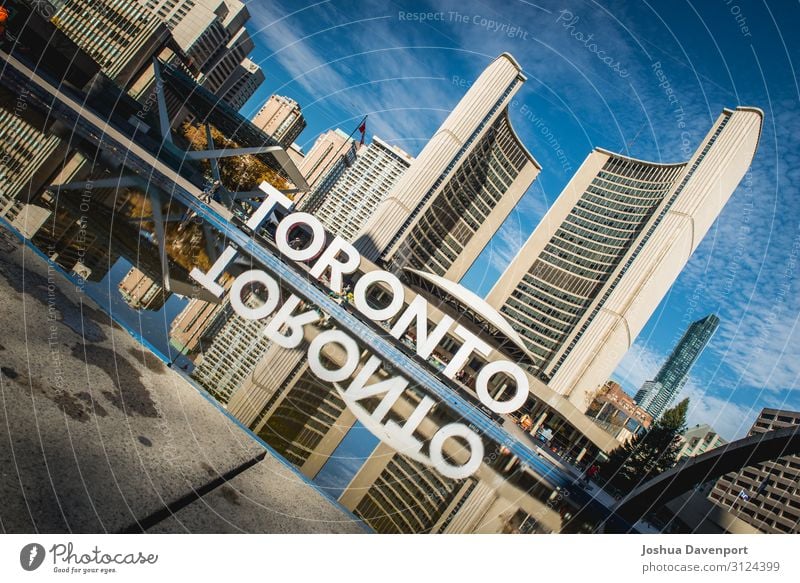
308	207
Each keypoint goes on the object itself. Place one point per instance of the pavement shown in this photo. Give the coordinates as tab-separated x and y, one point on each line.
98	435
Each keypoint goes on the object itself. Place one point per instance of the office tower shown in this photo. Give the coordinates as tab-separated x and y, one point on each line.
766	496
459	190
329	154
233	353
349	204
698	440
242	84
595	268
617	413
120	36
141	292
211	34
193	330
656	395
282	118
296	154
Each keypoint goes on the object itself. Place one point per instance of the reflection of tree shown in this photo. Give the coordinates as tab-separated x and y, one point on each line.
185	240
238	173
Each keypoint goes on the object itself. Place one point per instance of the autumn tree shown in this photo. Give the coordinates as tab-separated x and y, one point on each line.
238	173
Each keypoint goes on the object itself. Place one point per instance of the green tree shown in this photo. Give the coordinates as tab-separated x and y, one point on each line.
647	455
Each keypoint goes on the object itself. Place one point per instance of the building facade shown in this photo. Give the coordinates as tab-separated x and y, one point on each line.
602	258
140	292
765	496
331	154
656	395
698	440
352	200
232	354
211	35
616	412
459	190
282	118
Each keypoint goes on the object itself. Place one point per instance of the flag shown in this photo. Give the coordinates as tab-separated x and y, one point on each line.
744	495
363	129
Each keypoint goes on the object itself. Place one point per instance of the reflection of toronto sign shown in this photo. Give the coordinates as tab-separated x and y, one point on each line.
338	258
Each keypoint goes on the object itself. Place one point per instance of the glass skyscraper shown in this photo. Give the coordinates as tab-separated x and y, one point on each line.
655	395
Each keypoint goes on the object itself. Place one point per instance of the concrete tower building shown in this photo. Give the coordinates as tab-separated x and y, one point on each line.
594	270
656	395
459	190
282	118
352	200
331	155
211	34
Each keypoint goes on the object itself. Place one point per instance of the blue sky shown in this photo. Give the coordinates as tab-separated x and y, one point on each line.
344	59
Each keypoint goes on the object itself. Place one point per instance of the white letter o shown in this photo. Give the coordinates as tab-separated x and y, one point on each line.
317	236
269	305
482	386
360	295
343	340
443	466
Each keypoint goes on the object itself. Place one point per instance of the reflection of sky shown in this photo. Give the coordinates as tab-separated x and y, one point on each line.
346	460
151	325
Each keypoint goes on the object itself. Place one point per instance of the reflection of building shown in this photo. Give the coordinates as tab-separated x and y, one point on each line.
698	440
765	496
142	293
443	211
192	330
617	413
307	421
594	270
232	354
330	155
353	198
656	395
282	118
68	239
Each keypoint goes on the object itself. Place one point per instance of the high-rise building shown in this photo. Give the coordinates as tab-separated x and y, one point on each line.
441	214
349	204
331	154
656	395
698	440
242	84
197	323
233	354
141	292
765	496
282	118
120	36
595	268
211	34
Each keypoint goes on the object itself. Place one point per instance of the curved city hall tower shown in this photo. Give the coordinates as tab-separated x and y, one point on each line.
459	190
594	270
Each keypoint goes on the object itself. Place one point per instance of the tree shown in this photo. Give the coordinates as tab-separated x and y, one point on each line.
647	455
238	173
